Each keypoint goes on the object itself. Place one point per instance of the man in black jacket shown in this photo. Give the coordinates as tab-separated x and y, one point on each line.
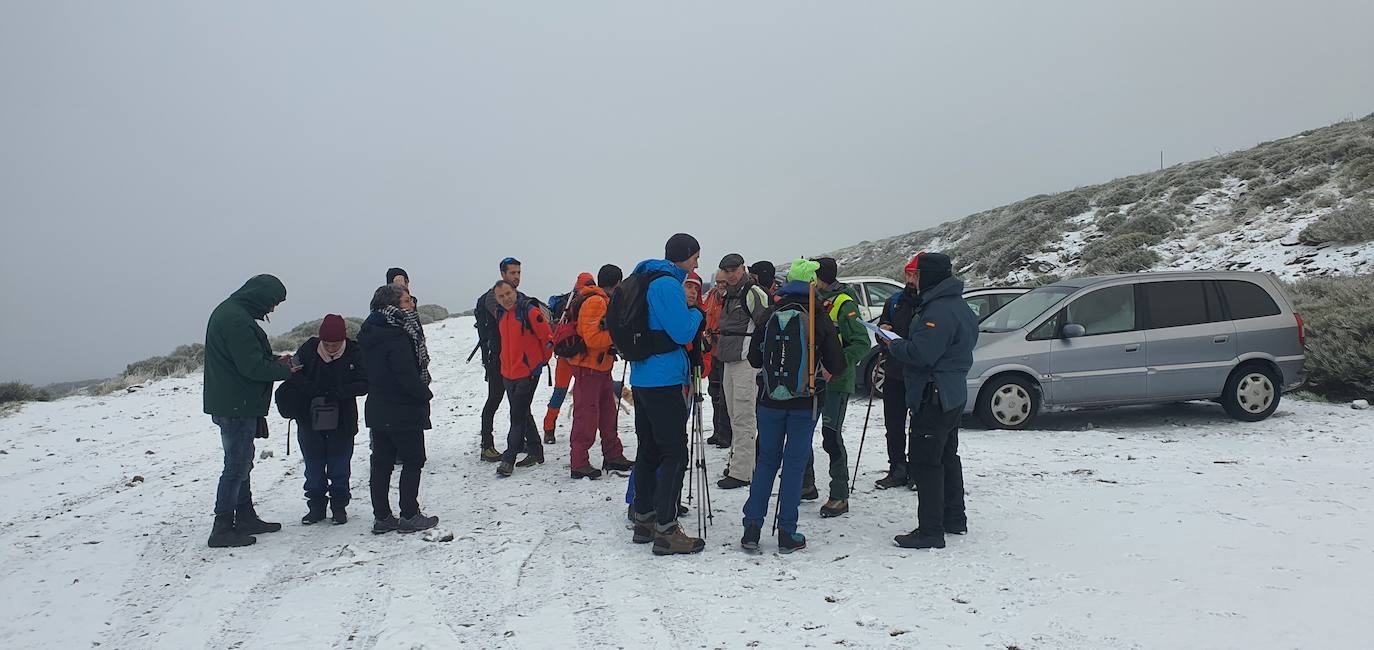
896	317
488	316
323	400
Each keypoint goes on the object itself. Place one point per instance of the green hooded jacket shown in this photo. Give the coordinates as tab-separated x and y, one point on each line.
853	335
239	365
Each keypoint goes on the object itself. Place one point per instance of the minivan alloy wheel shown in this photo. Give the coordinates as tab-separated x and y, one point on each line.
1011	404
1255	392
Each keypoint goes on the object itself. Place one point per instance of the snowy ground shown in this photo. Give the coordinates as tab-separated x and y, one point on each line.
1152	528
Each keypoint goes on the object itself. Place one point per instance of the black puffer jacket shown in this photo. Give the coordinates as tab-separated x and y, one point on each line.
342	381
397	399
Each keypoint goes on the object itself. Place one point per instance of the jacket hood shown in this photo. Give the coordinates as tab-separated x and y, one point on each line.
948	287
661	265
592	290
794	292
260	294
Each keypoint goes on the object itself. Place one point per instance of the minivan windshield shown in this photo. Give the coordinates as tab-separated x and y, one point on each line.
1025	308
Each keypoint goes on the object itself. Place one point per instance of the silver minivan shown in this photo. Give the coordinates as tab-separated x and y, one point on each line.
1230	337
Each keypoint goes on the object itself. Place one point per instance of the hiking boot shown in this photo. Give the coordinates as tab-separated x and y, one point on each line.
788	542
620	464
340	515
223	534
730	483
750	541
549	439
918	539
247	522
895	478
714	440
681	510
315	515
810	493
416	523
586	472
490	455
676	542
382	526
505	469
835	508
643	528
956	529
531	460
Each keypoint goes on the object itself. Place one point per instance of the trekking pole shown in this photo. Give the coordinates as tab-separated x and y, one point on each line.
854	478
704	515
288	437
624	367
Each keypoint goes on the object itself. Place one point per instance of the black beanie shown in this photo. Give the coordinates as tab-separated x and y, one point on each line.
681	247
766	273
609	276
829	271
935	268
394	271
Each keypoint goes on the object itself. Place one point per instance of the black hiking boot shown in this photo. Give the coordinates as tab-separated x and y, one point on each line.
750	541
620	464
810	493
788	542
490	455
531	460
340	515
549	439
383	526
223	534
505	469
643	527
675	542
730	483
895	478
956	529
918	539
315	514
835	508
416	523
588	472
247	522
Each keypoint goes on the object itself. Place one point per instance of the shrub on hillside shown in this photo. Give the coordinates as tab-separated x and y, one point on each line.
1351	224
432	313
1276	193
1125	253
1339	313
1121	194
14	392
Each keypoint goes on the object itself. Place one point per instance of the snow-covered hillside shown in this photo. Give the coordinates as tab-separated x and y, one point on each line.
1244	211
1151	528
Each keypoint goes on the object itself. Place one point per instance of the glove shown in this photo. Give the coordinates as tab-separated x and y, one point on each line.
262	428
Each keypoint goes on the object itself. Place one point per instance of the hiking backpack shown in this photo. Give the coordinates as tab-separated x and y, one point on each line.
784	346
627	319
567	343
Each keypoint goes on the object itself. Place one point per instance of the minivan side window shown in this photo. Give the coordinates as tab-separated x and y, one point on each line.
878	293
1248	300
1105	311
981	306
1179	304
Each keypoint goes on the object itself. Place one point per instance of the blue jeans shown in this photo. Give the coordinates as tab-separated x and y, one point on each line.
236	434
784	440
327	457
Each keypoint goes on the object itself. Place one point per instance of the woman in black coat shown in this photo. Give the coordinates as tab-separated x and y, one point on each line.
322	399
397	406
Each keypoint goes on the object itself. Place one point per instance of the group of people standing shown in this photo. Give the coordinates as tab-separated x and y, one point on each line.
779	356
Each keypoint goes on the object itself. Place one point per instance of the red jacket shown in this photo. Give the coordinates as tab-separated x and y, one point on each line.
524	348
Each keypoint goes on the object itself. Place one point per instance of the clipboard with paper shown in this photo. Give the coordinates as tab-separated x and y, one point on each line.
878	331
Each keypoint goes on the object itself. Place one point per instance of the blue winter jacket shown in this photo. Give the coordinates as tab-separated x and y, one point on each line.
939	346
668	312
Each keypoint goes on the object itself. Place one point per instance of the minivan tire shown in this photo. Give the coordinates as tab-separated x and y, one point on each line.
1247	389
1002	393
874	375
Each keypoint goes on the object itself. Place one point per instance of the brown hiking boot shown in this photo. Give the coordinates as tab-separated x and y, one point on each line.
549	439
490	455
643	526
676	542
835	508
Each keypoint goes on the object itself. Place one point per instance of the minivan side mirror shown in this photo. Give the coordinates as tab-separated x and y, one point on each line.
1073	331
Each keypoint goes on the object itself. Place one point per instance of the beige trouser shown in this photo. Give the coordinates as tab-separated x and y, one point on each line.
741	396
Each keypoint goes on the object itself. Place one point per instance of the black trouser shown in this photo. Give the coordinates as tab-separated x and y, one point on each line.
524	434
894	421
496	391
387	448
661	429
935	464
720	415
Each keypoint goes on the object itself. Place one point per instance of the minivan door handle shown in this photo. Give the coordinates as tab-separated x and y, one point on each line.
1134	347
1221	339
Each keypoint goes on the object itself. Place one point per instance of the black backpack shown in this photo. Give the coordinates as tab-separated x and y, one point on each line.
567	343
627	319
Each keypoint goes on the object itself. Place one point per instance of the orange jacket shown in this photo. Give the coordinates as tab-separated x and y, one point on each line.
523	350
712	306
590	327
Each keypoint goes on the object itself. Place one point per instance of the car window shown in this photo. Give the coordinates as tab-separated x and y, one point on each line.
1248	300
1025	308
1105	311
878	293
1179	304
981	305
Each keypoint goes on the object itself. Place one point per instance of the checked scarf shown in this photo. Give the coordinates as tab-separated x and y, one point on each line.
410	322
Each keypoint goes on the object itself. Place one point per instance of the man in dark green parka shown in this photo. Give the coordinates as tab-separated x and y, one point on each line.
239	372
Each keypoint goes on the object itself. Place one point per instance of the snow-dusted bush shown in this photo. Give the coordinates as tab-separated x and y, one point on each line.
1351	224
431	313
15	392
1126	253
1339	313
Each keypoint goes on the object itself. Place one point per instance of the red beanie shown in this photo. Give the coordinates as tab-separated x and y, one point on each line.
333	329
693	278
585	279
915	262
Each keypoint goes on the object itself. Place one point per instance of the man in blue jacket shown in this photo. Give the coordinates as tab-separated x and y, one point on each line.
936	356
660	383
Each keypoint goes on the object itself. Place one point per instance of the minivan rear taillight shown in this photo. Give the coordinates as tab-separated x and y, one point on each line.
1302	330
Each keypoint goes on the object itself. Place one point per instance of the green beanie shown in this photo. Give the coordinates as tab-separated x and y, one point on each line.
803	270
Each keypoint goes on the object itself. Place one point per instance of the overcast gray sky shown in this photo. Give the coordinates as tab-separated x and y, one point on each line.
154	155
